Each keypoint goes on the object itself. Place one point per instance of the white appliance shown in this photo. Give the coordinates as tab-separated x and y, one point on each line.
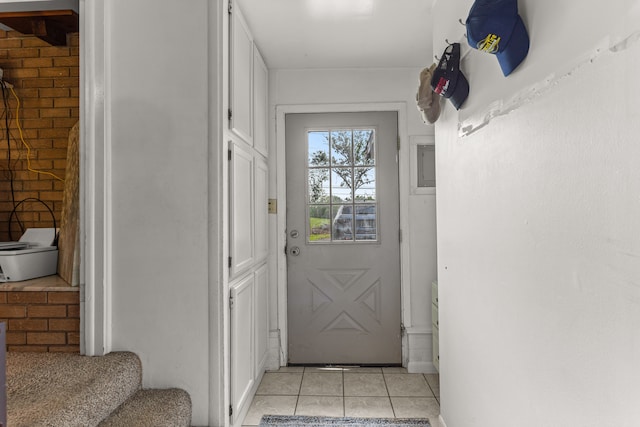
34	255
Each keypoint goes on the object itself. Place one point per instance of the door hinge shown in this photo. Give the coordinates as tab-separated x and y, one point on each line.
398	143
231	302
230	410
285	250
230	264
403	330
229	114
230	8
230	155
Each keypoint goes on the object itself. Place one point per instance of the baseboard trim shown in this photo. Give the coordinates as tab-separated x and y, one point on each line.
421	368
441	420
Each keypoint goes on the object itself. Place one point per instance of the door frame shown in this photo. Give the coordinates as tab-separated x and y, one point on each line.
281	217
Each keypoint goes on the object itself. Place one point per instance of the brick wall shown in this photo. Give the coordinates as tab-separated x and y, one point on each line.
41	320
46	79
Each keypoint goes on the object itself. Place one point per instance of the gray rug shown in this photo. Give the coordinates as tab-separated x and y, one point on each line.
306	421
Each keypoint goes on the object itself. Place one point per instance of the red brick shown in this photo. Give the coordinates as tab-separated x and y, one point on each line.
54	51
64	123
37	103
67	82
37	123
34	42
29	348
21	73
45	311
46	338
66	102
3	297
31	113
55	112
64	297
73	311
16	338
54	72
58	92
10	43
13	311
31	83
73	337
38	185
27	93
26	297
53	133
28	325
67	61
37	62
24	53
68	325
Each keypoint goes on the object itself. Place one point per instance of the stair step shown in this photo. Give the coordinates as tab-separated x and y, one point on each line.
53	389
153	408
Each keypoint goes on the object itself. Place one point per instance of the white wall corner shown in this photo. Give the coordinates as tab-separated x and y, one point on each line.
419	351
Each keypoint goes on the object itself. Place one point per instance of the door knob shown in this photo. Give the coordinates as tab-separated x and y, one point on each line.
295	251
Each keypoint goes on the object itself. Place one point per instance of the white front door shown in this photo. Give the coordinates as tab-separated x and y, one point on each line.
343	255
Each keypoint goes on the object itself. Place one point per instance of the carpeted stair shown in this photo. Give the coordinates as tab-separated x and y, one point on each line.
69	390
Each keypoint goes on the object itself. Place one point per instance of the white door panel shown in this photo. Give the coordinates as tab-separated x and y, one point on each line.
241	239
261	209
262	318
241	78
242	348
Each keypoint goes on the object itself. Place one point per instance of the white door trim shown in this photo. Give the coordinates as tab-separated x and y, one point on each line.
403	164
95	188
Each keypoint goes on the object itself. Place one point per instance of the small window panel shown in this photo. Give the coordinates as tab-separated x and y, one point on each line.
426	162
342	203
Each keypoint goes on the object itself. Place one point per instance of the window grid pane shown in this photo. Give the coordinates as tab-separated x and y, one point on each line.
342	193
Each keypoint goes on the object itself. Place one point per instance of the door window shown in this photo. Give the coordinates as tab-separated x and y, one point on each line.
342	204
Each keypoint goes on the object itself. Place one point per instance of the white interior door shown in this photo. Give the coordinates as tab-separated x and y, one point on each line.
343	255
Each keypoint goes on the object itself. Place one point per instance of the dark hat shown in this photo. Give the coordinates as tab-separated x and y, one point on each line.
448	80
494	26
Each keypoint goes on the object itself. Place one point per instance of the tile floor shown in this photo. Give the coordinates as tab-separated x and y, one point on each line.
338	392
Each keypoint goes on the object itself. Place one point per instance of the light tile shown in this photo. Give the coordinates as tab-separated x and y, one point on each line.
362	370
321	384
320	406
269	405
407	385
323	369
276	383
434	382
416	407
364	385
289	369
395	370
368	407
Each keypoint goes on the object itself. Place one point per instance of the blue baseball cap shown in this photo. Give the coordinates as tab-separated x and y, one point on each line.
494	26
448	81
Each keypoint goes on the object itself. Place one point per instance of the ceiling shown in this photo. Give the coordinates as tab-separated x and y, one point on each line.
341	33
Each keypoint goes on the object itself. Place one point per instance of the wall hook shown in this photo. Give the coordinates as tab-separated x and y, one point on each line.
436	57
461	23
447	40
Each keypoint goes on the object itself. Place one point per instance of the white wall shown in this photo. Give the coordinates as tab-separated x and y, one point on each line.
352	86
538	231
159	191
